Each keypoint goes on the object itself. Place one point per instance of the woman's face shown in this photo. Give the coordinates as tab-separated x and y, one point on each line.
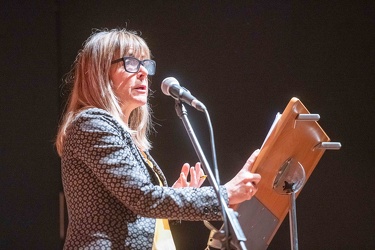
131	88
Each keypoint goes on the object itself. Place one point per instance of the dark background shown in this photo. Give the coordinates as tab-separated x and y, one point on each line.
243	59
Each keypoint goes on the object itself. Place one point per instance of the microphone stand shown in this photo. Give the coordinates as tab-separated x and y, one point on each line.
236	237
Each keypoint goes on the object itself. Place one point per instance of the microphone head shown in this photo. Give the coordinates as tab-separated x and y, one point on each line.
167	83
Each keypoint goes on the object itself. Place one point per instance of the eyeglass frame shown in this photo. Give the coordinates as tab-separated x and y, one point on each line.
140	62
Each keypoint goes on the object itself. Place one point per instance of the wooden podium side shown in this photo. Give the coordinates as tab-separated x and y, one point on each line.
293	138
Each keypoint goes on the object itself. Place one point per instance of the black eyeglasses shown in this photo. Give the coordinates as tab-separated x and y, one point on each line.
132	64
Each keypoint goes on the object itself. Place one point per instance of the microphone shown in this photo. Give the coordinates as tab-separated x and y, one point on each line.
171	87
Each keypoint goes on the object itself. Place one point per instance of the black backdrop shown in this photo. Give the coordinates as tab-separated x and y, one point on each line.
243	59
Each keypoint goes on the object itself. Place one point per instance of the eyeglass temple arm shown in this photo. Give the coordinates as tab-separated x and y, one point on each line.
116	61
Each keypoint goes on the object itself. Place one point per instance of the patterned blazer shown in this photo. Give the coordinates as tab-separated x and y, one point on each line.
112	196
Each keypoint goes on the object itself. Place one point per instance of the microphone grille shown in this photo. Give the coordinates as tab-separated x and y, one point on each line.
167	83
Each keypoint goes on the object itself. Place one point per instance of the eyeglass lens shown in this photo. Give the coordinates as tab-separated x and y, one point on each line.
132	65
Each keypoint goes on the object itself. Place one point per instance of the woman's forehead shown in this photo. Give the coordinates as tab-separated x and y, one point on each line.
139	52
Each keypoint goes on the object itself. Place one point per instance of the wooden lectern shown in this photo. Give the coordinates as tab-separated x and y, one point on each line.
289	155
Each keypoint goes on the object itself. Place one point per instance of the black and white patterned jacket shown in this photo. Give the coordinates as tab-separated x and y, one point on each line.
112	196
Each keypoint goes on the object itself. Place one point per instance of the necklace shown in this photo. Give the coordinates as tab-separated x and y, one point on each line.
149	163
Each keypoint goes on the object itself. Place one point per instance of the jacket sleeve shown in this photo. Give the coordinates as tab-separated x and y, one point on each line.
104	146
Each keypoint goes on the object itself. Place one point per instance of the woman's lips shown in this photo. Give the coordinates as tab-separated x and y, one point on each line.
141	88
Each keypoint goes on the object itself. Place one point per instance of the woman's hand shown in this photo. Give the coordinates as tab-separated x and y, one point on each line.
244	185
197	176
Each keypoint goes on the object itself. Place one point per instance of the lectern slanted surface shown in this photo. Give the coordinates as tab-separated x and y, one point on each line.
290	138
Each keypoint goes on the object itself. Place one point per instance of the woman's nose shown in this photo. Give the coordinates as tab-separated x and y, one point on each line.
142	71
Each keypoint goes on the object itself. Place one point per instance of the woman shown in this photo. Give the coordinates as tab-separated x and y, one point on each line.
117	196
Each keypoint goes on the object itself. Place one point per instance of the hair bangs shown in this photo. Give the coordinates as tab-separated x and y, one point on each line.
130	44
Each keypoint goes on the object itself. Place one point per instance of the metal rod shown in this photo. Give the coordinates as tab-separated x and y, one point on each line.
293	222
237	238
329	145
308	117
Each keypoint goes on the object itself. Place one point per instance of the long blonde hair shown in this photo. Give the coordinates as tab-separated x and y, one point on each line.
92	86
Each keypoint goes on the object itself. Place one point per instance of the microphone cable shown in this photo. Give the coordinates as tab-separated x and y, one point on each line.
216	172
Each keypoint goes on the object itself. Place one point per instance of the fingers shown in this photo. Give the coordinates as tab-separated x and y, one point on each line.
244	185
196	174
185	169
182	180
248	177
184	175
193	177
250	161
255	179
250	190
251	184
251	187
200	174
253	191
198	169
